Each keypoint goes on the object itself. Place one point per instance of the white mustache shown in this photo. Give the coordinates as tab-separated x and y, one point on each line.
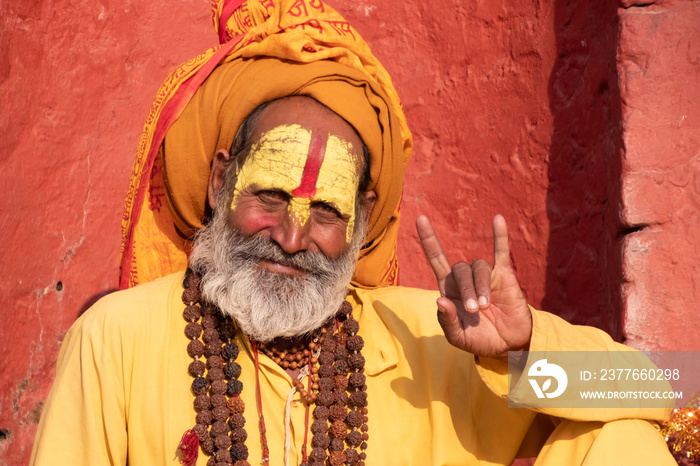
267	304
260	248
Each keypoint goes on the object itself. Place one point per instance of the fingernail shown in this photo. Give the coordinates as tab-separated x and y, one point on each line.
483	302
471	304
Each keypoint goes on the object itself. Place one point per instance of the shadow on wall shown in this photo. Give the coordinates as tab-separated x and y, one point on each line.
584	257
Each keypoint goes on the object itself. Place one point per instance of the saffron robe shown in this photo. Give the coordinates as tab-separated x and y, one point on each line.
122	392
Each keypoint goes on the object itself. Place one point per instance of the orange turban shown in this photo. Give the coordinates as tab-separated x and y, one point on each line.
269	49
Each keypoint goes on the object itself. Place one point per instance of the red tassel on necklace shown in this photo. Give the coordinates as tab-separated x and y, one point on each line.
304	456
189	446
263	430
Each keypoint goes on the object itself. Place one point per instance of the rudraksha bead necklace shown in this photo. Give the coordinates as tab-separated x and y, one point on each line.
295	357
337	387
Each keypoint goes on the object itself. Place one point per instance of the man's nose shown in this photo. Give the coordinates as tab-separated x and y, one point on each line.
292	232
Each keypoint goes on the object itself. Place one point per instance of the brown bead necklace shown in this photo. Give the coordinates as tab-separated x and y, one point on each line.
336	386
295	357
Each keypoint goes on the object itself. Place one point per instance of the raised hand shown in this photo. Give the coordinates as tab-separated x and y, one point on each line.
482	309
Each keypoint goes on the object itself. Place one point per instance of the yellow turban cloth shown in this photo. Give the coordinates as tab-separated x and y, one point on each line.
269	49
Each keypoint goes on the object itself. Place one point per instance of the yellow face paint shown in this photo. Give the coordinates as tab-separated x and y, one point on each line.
310	168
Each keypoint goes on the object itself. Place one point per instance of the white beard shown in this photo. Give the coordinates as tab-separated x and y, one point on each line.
266	304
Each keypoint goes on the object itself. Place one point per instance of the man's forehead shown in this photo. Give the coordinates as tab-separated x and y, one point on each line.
309	114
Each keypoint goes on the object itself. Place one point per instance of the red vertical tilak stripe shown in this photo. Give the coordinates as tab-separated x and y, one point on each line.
314	159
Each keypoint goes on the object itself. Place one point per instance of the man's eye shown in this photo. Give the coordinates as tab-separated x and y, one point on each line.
272	195
328	209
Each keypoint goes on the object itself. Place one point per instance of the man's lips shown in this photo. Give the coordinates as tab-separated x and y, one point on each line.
282	267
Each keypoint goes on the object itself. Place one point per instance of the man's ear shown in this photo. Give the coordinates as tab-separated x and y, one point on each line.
217	177
369	199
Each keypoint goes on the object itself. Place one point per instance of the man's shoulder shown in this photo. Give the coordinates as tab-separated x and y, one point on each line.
399	293
141	305
146	292
403	306
402	296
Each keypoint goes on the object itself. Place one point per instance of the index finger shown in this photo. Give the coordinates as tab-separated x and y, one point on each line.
501	250
433	250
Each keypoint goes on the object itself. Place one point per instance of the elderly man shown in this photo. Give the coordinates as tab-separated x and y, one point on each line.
283	342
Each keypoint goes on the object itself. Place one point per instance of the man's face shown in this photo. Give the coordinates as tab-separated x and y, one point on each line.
279	257
298	185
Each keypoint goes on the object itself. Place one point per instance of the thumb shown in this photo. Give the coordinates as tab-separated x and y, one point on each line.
448	320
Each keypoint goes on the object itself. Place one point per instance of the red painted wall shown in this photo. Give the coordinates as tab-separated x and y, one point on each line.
76	83
660	72
514	105
514	108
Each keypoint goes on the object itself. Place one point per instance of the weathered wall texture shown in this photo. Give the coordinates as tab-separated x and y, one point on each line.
515	109
76	81
660	86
